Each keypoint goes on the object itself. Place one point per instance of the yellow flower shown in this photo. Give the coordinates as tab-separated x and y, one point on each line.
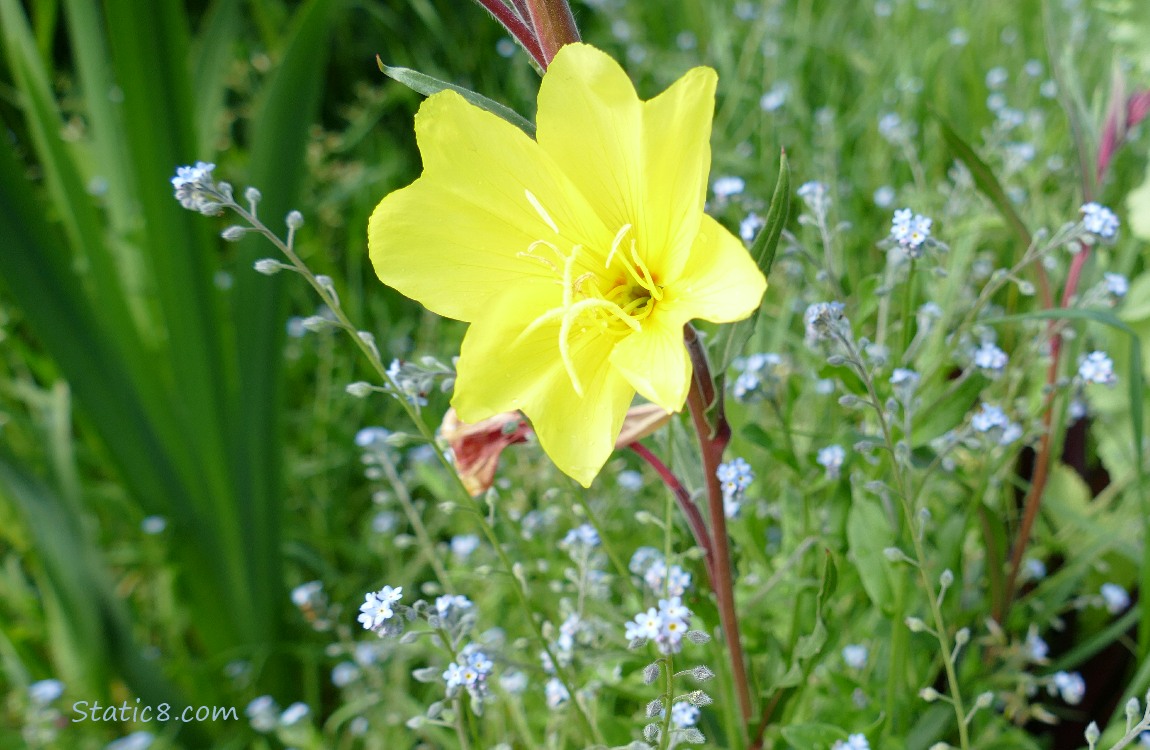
577	258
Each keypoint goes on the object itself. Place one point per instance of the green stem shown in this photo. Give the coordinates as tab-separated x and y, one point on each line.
907	311
904	496
371	353
425	542
896	687
668	696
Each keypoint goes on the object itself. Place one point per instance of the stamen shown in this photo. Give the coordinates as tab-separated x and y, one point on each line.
527	255
650	285
580	281
568	314
615	244
541	211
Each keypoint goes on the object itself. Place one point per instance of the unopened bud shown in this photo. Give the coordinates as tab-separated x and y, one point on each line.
929	694
699	698
359	389
367	338
946	579
294	220
234	233
268	266
916	625
253	195
1092	733
317	323
984	700
328	286
962	637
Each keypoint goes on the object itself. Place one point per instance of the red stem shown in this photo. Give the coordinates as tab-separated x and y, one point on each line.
554	25
713	438
517	27
690	510
1042	459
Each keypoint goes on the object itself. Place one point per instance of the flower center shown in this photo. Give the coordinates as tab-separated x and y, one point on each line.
614	301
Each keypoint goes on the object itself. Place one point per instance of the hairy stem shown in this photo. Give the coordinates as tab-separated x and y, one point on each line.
713	439
554	25
515	22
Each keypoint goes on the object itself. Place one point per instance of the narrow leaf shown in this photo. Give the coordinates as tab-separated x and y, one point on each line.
426	85
735	336
984	179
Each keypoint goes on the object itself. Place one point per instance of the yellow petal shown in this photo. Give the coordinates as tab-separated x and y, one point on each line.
500	370
655	361
721	282
590	123
638	163
676	162
453	239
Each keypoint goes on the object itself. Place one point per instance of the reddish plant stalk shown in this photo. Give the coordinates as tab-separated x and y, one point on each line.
713	439
554	25
516	25
686	504
1124	113
1042	459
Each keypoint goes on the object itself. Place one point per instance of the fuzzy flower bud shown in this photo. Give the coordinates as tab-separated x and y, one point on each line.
294	220
233	233
266	266
359	389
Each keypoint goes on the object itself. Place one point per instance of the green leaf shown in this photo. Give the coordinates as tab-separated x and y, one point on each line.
830	581
427	85
1138	208
285	111
811	645
813	736
984	180
947	412
733	337
868	535
89	628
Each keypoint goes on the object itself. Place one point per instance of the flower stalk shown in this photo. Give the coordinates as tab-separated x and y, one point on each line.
553	24
714	433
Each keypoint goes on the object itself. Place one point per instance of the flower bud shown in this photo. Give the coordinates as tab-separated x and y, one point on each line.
359	389
916	625
234	233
